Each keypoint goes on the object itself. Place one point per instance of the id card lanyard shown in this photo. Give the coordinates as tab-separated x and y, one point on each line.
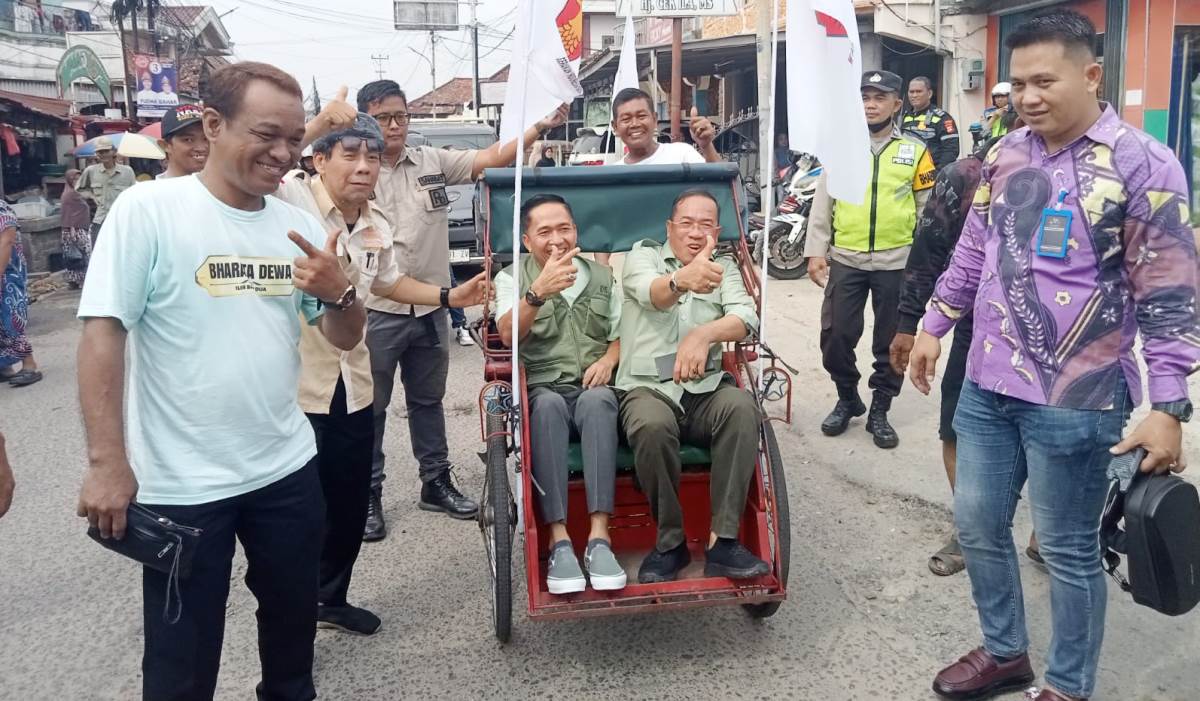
1055	229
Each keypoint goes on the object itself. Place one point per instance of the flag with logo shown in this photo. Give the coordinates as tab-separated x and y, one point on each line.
541	76
627	72
825	114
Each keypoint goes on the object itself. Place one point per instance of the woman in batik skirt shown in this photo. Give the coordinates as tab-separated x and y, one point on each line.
76	232
14	306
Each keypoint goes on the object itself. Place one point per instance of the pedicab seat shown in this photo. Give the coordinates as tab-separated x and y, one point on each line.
688	455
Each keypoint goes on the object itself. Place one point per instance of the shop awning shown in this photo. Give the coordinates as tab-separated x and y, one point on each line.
44	106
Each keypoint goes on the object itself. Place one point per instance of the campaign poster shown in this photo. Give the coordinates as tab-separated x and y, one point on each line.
155	85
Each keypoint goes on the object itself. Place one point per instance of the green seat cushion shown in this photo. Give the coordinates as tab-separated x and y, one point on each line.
688	455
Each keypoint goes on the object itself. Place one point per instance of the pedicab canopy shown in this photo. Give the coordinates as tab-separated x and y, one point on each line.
614	206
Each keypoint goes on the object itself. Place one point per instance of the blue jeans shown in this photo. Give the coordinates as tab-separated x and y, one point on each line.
1063	453
458	318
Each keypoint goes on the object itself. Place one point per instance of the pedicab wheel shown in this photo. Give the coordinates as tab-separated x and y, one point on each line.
782	521
497	522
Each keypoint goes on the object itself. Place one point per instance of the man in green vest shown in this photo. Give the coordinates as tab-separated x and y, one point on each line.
567	323
681	305
868	244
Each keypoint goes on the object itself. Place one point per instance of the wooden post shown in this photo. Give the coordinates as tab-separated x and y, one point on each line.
676	77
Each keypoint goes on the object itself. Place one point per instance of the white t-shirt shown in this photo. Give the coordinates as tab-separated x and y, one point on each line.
205	291
673	153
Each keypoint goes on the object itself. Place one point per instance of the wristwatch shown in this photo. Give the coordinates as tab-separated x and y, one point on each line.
1181	409
671	282
444	297
533	299
346	300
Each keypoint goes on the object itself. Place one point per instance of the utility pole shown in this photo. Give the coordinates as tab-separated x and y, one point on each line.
766	130
433	59
676	78
379	64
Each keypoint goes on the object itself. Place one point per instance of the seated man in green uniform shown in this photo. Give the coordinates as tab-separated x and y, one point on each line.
566	324
680	302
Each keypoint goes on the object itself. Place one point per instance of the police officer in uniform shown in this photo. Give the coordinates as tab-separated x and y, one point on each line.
858	249
930	123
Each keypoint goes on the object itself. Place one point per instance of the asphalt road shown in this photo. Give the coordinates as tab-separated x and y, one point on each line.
864	620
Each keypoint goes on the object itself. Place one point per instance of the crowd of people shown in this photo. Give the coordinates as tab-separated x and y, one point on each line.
264	332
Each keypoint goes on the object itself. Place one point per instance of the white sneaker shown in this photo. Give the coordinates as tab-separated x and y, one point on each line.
464	336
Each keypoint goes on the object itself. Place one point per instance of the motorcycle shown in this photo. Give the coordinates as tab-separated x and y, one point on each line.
795	189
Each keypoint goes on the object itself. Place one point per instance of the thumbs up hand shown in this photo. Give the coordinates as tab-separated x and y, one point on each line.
318	271
702	274
337	113
703	131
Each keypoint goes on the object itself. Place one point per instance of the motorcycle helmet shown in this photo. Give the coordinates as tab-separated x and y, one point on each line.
1002	88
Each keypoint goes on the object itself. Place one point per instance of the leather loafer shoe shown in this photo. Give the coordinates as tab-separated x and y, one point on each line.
440	494
1048	694
978	675
835	424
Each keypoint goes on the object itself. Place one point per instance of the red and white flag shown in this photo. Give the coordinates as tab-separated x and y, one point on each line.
541	75
825	113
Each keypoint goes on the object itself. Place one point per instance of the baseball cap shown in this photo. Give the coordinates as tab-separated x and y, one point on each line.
103	143
882	80
180	117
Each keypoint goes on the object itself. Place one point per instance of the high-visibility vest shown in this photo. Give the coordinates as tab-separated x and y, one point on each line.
888	214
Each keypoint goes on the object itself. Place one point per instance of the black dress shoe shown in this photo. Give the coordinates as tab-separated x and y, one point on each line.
664	567
440	494
375	528
835	424
877	424
348	618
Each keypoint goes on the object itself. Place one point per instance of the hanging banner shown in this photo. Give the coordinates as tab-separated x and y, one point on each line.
155	82
81	63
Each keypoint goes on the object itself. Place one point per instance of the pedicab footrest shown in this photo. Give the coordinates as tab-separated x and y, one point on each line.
688	455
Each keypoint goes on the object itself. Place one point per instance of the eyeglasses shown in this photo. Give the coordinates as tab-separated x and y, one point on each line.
687	225
352	144
400	118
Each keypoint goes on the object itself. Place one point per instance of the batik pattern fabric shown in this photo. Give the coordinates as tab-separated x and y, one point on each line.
78	242
1061	331
938	229
14	300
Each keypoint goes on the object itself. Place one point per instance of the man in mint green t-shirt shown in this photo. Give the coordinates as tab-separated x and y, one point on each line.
208	280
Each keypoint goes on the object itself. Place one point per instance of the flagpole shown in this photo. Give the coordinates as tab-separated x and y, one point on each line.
516	268
767	154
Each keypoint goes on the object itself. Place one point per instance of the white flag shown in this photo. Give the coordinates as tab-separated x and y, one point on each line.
627	72
540	76
825	113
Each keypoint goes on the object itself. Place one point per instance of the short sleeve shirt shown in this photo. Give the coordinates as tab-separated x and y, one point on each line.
412	195
105	186
670	154
366	254
205	291
504	296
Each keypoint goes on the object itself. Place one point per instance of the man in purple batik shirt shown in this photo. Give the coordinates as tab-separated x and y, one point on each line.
1078	240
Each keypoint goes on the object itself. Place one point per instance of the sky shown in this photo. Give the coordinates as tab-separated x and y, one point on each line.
310	39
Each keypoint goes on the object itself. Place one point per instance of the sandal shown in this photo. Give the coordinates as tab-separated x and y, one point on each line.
949	560
25	378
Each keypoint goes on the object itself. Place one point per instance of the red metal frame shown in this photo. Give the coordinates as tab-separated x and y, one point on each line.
632	528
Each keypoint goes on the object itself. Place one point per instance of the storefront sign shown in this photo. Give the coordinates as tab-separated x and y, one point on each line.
155	86
80	62
677	8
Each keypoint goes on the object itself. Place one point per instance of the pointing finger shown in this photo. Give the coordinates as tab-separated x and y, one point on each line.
303	243
341	94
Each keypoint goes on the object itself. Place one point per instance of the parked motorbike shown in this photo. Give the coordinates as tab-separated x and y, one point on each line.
796	188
